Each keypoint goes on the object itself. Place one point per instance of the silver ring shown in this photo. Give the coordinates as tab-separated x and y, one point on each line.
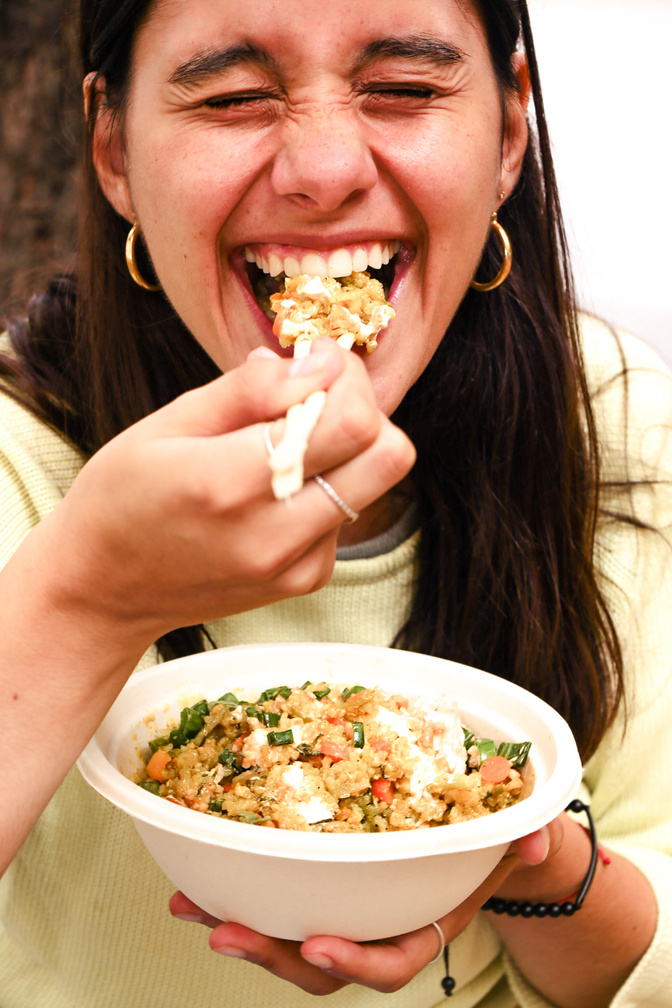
350	514
441	947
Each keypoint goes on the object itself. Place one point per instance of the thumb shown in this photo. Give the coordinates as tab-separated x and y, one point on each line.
263	388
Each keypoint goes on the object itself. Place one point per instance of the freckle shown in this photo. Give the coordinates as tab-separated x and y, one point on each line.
15	697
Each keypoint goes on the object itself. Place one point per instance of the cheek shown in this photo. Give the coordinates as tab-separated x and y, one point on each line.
185	185
450	173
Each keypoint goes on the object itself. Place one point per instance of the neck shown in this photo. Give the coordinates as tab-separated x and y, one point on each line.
377	517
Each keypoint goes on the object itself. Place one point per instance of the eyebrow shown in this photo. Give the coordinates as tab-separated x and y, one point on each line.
211	62
421	48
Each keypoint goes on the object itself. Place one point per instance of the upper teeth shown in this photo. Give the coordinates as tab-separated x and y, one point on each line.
340	262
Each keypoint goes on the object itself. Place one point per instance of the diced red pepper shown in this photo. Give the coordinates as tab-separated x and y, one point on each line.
383	790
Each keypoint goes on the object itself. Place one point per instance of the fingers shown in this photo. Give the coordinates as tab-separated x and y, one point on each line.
385	966
182	907
261	389
536	847
320	965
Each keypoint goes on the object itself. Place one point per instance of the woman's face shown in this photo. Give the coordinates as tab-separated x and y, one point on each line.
323	135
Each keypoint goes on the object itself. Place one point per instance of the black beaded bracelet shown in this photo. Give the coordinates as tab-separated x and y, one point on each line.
518	908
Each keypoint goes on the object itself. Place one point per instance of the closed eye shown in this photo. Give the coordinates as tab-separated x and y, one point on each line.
402	91
233	101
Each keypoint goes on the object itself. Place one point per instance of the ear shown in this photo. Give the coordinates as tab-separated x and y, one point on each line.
109	157
515	127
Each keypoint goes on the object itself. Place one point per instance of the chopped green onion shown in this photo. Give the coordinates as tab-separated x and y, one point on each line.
358	734
150	785
229	698
274	692
486	747
156	743
347	693
306	684
270	719
248	817
191	722
468	737
215	806
253	712
277	738
319	694
515	752
228	757
201	708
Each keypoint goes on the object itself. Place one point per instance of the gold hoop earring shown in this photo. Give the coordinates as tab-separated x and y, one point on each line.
132	264
505	268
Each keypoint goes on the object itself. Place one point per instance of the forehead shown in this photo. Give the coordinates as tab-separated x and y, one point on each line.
298	31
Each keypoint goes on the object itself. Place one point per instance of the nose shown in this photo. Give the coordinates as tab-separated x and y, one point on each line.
324	160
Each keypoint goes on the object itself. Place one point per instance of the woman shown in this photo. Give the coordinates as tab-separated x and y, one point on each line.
137	494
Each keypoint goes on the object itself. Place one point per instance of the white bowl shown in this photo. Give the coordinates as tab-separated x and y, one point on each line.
293	884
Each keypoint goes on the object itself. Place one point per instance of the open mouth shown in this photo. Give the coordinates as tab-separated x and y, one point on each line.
267	270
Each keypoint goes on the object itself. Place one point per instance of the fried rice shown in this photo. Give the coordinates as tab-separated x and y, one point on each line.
325	759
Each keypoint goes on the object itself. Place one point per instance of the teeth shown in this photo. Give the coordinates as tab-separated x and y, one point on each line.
291	266
274	264
360	260
376	257
313	264
340	263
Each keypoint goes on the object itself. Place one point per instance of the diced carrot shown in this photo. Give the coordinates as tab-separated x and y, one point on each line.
333	750
495	769
383	790
336	720
156	768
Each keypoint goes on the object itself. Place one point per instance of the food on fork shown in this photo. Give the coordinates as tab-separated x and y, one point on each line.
352	310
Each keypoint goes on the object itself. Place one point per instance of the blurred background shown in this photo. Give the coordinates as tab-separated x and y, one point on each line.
607	83
607	86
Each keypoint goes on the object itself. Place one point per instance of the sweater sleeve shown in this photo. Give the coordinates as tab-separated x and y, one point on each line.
37	466
632	396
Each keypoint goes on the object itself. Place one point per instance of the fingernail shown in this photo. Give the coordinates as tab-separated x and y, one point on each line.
321	961
190	917
262	351
307	365
231	951
545	840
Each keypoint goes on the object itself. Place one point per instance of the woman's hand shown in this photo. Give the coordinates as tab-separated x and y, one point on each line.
174	523
322	965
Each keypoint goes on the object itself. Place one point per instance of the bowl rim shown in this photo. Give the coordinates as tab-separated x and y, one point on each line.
502	828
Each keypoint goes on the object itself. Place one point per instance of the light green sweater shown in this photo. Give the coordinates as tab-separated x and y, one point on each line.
83	907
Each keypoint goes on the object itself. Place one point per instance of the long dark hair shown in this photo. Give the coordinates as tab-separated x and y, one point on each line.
507	473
